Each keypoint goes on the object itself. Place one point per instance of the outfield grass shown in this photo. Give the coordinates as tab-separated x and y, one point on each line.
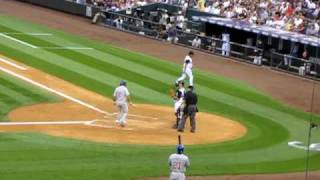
264	149
15	93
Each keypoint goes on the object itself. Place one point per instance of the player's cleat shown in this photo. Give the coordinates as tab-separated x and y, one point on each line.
193	131
180	130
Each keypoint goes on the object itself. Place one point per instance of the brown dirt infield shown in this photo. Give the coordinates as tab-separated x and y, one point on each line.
144	120
291	90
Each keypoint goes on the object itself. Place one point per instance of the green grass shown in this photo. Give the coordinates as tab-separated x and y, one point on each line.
15	93
263	150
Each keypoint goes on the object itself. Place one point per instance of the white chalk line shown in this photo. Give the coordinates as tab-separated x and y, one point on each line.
135	115
19	41
6	35
13	64
92	123
64	95
27	33
67	47
42	123
54	91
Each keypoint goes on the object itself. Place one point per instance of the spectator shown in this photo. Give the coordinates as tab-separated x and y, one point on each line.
313	28
196	42
172	34
118	23
81	1
180	21
212	44
305	68
293	54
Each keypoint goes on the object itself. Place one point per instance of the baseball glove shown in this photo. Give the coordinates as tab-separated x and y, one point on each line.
172	93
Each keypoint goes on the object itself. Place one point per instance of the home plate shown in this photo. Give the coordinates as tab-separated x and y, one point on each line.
106	124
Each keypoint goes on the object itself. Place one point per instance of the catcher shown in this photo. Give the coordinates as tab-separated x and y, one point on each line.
178	98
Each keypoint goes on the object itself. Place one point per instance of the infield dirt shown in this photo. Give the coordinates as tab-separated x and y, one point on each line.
144	120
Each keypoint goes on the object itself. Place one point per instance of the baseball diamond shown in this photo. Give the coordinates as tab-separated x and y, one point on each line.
58	74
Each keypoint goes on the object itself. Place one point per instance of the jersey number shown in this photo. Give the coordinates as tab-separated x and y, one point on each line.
177	165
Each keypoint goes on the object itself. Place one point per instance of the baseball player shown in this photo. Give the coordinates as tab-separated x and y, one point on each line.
178	163
121	98
187	69
178	99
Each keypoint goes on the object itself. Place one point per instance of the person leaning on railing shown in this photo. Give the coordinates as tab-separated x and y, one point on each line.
306	66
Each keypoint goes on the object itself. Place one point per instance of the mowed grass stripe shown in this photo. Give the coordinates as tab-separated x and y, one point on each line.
147	82
265	129
219	86
75	55
57	69
141	89
6	104
137	58
50	67
20	91
71	54
82	58
15	95
138	91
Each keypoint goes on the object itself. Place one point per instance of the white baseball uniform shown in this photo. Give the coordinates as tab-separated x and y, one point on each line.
178	164
187	70
226	44
180	93
121	94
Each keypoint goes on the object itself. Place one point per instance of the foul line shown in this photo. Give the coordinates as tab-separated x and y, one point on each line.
13	64
66	96
43	123
92	123
19	41
54	91
68	47
30	34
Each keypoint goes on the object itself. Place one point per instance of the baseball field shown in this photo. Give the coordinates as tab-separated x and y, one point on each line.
57	117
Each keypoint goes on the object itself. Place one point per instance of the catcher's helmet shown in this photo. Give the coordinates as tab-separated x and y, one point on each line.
123	83
180	148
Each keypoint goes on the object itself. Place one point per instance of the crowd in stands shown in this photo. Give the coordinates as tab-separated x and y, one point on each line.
116	4
300	16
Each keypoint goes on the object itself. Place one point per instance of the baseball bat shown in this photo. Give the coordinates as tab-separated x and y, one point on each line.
179	139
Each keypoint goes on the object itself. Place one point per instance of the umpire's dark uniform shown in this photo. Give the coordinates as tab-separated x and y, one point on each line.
191	100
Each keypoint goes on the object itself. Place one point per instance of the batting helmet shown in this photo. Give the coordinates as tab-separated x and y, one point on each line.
180	148
123	83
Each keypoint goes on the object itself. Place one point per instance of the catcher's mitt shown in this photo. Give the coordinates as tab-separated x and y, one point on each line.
172	93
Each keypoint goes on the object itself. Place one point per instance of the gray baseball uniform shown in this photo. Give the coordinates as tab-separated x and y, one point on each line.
178	164
121	94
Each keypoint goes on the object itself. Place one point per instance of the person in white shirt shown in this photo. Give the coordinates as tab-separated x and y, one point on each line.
187	69
178	163
121	98
180	20
297	21
196	42
178	100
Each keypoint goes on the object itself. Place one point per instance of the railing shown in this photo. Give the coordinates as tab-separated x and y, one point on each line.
156	30
251	54
284	62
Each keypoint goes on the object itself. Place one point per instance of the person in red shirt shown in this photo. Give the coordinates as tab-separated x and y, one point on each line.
290	10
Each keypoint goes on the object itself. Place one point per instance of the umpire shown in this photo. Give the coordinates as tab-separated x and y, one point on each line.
191	100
